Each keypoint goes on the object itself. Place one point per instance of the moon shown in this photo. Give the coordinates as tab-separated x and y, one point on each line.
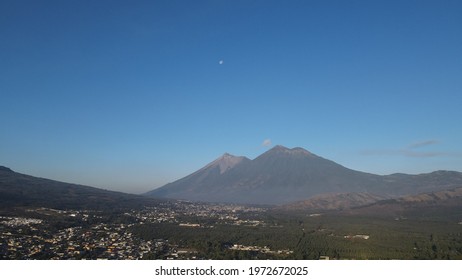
221	62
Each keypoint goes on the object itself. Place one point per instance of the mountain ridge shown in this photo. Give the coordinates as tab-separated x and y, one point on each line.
21	190
226	162
282	175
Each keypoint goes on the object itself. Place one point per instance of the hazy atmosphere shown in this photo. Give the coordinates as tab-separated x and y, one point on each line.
130	95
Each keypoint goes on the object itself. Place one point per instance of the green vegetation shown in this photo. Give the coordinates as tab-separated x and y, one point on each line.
333	235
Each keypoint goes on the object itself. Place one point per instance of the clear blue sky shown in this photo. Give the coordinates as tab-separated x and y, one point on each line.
130	95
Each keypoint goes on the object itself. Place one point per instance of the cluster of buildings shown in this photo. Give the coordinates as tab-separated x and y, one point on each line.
180	212
259	249
18	221
357	236
91	235
101	241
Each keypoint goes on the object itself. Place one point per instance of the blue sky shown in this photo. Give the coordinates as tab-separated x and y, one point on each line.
130	95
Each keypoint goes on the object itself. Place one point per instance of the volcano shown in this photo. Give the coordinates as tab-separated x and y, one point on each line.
283	175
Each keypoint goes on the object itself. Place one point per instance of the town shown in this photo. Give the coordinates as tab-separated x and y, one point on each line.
90	234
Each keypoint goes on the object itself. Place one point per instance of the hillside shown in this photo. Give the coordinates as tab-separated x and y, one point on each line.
335	201
17	190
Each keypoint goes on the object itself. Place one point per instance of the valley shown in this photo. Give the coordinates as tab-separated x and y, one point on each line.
189	230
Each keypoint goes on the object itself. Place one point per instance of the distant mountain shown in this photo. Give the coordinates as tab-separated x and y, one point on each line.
18	190
404	184
282	175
